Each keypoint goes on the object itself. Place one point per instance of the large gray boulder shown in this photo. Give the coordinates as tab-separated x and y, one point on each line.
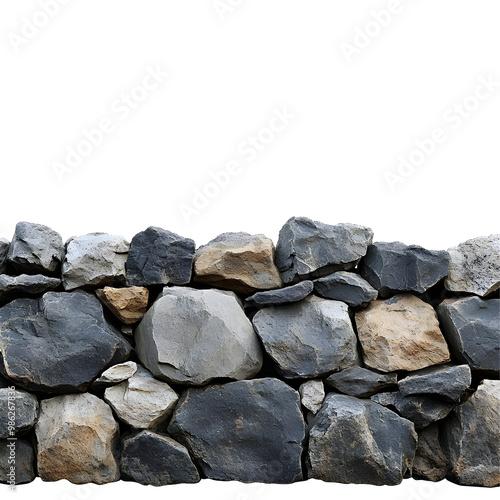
4	250
24	471
18	412
26	284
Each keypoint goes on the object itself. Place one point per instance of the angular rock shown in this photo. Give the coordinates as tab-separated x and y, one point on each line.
472	437
360	382
430	460
35	249
159	257
149	458
309	338
446	382
470	326
77	439
249	431
25	284
358	441
68	340
346	287
287	295
401	333
239	262
94	260
312	394
141	401
311	249
395	267
129	305
4	250
475	266
23	405
211	320
117	373
22	452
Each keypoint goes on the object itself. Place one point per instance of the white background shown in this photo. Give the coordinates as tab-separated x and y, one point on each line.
360	102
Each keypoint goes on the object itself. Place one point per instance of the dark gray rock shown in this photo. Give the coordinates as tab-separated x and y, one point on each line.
24	470
35	249
4	250
446	382
26	284
68	340
311	249
395	267
159	257
470	326
249	431
150	458
4	382
430	460
309	338
360	382
358	441
25	408
286	295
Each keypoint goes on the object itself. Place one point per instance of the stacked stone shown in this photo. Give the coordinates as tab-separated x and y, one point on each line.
330	357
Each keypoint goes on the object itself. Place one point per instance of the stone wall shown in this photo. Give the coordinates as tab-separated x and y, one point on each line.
330	356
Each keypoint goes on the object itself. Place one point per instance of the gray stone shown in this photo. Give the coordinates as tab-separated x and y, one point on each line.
211	320
311	249
159	257
22	452
430	460
149	458
287	295
358	441
360	382
249	431
94	260
23	406
475	266
346	287
26	284
395	267
309	338
68	340
4	250
312	394
35	249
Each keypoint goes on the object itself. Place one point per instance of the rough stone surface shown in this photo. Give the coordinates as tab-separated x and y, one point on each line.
159	257
309	338
395	267
129	305
346	287
25	408
401	333
211	320
430	460
77	440
312	394
239	262
68	340
25	284
360	382
249	431
149	458
472	437
35	249
311	249
287	295
358	441
4	250
94	260
141	401
24	462
470	325
475	266
117	373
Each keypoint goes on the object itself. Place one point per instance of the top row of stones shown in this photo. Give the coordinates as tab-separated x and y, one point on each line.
247	263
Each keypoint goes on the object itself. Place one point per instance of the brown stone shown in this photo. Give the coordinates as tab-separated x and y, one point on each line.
129	305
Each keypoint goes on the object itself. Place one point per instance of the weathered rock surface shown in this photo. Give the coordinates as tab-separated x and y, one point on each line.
287	295
117	373
472	437
311	249
309	338
4	250
401	333
211	320
23	405
470	325
149	458
430	460
77	440
239	262
395	267
475	266
312	394
25	284
94	260
358	441
35	249
22	453
129	305
360	382
67	338
159	257
141	401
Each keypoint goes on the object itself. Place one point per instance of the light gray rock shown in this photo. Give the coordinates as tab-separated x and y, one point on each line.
309	338
287	295
22	453
117	373
211	320
312	394
25	284
4	250
23	406
430	460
